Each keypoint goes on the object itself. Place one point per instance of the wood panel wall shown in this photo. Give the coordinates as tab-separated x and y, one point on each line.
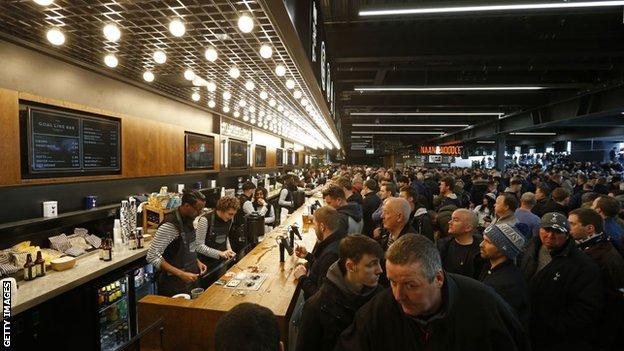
148	147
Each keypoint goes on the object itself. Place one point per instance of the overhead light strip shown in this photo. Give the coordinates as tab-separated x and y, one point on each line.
448	88
411	125
402	133
532	133
486	142
489	8
427	113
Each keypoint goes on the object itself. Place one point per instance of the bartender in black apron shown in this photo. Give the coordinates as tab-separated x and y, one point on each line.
215	232
173	249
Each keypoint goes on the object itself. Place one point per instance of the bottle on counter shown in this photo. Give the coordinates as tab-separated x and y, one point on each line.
30	272
133	240
102	248
139	239
40	265
108	251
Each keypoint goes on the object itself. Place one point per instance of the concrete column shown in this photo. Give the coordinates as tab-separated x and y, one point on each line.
500	152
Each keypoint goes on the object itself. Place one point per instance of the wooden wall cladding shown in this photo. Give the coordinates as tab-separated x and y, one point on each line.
148	147
271	157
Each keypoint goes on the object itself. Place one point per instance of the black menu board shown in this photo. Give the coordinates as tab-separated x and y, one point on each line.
260	156
279	157
199	151
238	154
68	144
289	159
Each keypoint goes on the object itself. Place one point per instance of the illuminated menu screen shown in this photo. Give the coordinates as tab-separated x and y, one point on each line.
70	143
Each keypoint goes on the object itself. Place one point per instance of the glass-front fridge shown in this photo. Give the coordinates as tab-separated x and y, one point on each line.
113	312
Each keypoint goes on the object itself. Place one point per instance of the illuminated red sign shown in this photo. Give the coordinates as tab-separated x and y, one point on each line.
441	150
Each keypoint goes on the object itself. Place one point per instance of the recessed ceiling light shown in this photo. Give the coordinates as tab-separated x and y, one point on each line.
252	109
227	95
111	32
404	133
532	133
249	85
211	54
290	84
55	36
234	72
487	8
211	86
236	114
160	57
266	51
409	125
242	103
297	94
195	96
245	23
446	88
304	102
272	102
226	109
212	103
44	2
280	70
280	108
111	60
264	95
246	118
148	76
177	28
189	74
426	113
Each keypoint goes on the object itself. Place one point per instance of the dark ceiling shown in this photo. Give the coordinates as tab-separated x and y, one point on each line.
572	51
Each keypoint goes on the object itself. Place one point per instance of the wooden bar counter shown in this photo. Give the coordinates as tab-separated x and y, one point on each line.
190	324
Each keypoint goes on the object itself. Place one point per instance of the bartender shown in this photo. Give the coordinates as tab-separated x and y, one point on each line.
173	248
214	233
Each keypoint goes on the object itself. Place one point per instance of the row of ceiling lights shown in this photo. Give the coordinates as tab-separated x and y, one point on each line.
245	23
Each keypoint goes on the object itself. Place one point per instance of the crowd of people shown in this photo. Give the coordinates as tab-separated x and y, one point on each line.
450	259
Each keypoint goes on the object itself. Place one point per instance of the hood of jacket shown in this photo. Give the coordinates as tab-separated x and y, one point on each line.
352	210
336	277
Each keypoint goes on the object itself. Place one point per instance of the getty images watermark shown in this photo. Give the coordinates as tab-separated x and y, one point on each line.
6	313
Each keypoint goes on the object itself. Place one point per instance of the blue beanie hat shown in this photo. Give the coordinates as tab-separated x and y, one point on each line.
507	239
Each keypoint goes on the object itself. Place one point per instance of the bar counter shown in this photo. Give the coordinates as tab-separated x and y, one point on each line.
190	324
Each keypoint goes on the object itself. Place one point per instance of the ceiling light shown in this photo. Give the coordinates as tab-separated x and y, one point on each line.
44	2
297	94
227	95
195	96
55	36
148	76
212	103
272	102
264	95
177	28
226	109
280	108
236	114
532	133
280	70
189	74
111	32
487	8
245	23
211	86
445	88
402	133
252	109
486	142
160	57
410	125
249	85
304	102
290	84
261	114
234	72
426	113
211	54
242	103
245	118
266	51
253	121
198	81
111	60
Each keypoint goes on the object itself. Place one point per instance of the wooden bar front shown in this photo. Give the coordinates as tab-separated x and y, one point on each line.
190	324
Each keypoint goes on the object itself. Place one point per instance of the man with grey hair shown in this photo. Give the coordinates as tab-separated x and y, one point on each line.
428	308
460	250
395	216
524	215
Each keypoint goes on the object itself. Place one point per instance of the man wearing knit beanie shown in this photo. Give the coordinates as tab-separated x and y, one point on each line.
500	246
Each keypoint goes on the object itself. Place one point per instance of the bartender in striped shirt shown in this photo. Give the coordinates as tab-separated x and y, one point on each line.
173	250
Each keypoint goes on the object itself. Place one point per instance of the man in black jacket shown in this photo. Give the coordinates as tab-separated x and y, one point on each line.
564	284
327	225
419	216
351	282
350	212
460	250
429	309
370	203
544	202
500	246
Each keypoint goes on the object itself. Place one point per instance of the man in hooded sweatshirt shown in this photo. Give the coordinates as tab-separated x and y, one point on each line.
351	213
351	282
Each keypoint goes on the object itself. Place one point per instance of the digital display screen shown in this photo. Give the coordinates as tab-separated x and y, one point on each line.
238	154
200	151
260	156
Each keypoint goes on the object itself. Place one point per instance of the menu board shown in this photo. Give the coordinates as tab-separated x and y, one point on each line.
238	154
279	157
260	156
296	158
62	142
289	157
199	151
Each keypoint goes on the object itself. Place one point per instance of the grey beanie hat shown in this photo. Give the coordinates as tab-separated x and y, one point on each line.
507	239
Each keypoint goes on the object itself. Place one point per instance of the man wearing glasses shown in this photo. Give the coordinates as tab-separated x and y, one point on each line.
565	293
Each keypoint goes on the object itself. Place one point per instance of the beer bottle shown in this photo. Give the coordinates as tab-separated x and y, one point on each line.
30	271
139	239
40	265
108	251
133	240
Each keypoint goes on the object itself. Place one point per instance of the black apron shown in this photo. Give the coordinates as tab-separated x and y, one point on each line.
216	238
181	254
257	206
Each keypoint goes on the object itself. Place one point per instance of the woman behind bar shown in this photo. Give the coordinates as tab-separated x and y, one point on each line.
264	208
